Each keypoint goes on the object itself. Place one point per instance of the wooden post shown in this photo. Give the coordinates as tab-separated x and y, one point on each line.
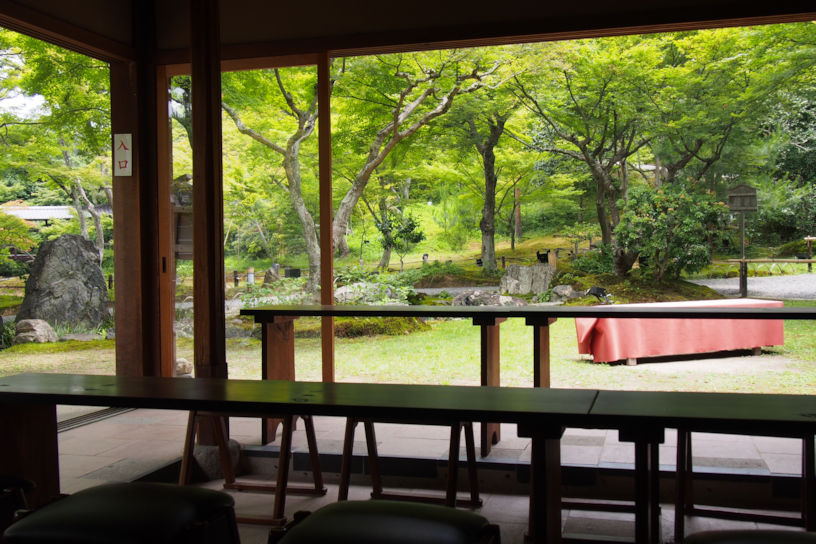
541	351
743	278
136	262
326	245
167	227
208	202
490	374
209	345
278	362
809	240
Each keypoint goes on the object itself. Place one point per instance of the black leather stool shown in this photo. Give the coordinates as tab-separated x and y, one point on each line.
751	537
131	513
394	522
12	497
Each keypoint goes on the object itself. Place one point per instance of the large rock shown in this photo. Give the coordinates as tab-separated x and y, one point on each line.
524	280
561	293
66	285
485	298
34	330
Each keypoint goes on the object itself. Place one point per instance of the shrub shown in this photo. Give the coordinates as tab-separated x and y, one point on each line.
595	262
670	228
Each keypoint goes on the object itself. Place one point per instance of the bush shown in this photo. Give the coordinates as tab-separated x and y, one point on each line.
792	249
353	274
595	262
10	267
785	217
670	228
8	333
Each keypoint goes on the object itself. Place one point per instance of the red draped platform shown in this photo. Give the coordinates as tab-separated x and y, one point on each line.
612	339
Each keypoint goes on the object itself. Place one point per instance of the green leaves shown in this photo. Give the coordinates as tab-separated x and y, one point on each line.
670	227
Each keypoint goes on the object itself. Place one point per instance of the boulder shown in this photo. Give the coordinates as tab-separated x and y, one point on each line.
34	330
208	459
66	285
524	280
485	298
561	293
183	367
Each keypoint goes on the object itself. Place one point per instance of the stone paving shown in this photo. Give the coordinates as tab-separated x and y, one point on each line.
127	446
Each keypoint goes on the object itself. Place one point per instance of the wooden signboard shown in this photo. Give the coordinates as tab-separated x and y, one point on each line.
742	198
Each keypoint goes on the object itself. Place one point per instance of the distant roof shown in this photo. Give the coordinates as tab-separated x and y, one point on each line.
39	213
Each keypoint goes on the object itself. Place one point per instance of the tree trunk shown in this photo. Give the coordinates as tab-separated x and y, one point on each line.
83	224
517	212
100	236
292	167
385	260
623	260
487	224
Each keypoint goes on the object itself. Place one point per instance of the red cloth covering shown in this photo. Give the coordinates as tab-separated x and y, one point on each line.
613	339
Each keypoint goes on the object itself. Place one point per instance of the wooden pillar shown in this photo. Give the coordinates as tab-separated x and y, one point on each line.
278	362
208	225
326	215
541	350
490	374
136	262
167	227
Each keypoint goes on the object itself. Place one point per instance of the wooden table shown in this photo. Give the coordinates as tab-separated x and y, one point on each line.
29	439
278	345
643	416
28	421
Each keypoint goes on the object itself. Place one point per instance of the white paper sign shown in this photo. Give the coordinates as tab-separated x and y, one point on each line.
123	154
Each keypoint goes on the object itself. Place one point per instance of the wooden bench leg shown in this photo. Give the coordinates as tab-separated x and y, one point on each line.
345	464
473	476
217	427
187	452
284	460
373	459
647	482
377	491
683	482
808	483
453	465
314	456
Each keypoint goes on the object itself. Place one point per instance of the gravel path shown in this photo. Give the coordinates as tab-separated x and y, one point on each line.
797	287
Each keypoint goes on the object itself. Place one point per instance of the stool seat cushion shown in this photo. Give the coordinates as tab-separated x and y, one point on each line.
120	513
395	522
749	536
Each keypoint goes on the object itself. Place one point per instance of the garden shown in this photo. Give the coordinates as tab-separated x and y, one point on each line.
615	155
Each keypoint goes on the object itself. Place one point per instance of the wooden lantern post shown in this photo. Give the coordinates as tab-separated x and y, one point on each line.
742	198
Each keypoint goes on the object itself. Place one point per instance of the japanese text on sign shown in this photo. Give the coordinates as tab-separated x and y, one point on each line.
122	154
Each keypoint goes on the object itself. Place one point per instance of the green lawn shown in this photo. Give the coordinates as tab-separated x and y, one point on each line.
448	353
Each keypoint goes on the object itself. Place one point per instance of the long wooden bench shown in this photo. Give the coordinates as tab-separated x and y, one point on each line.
28	422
